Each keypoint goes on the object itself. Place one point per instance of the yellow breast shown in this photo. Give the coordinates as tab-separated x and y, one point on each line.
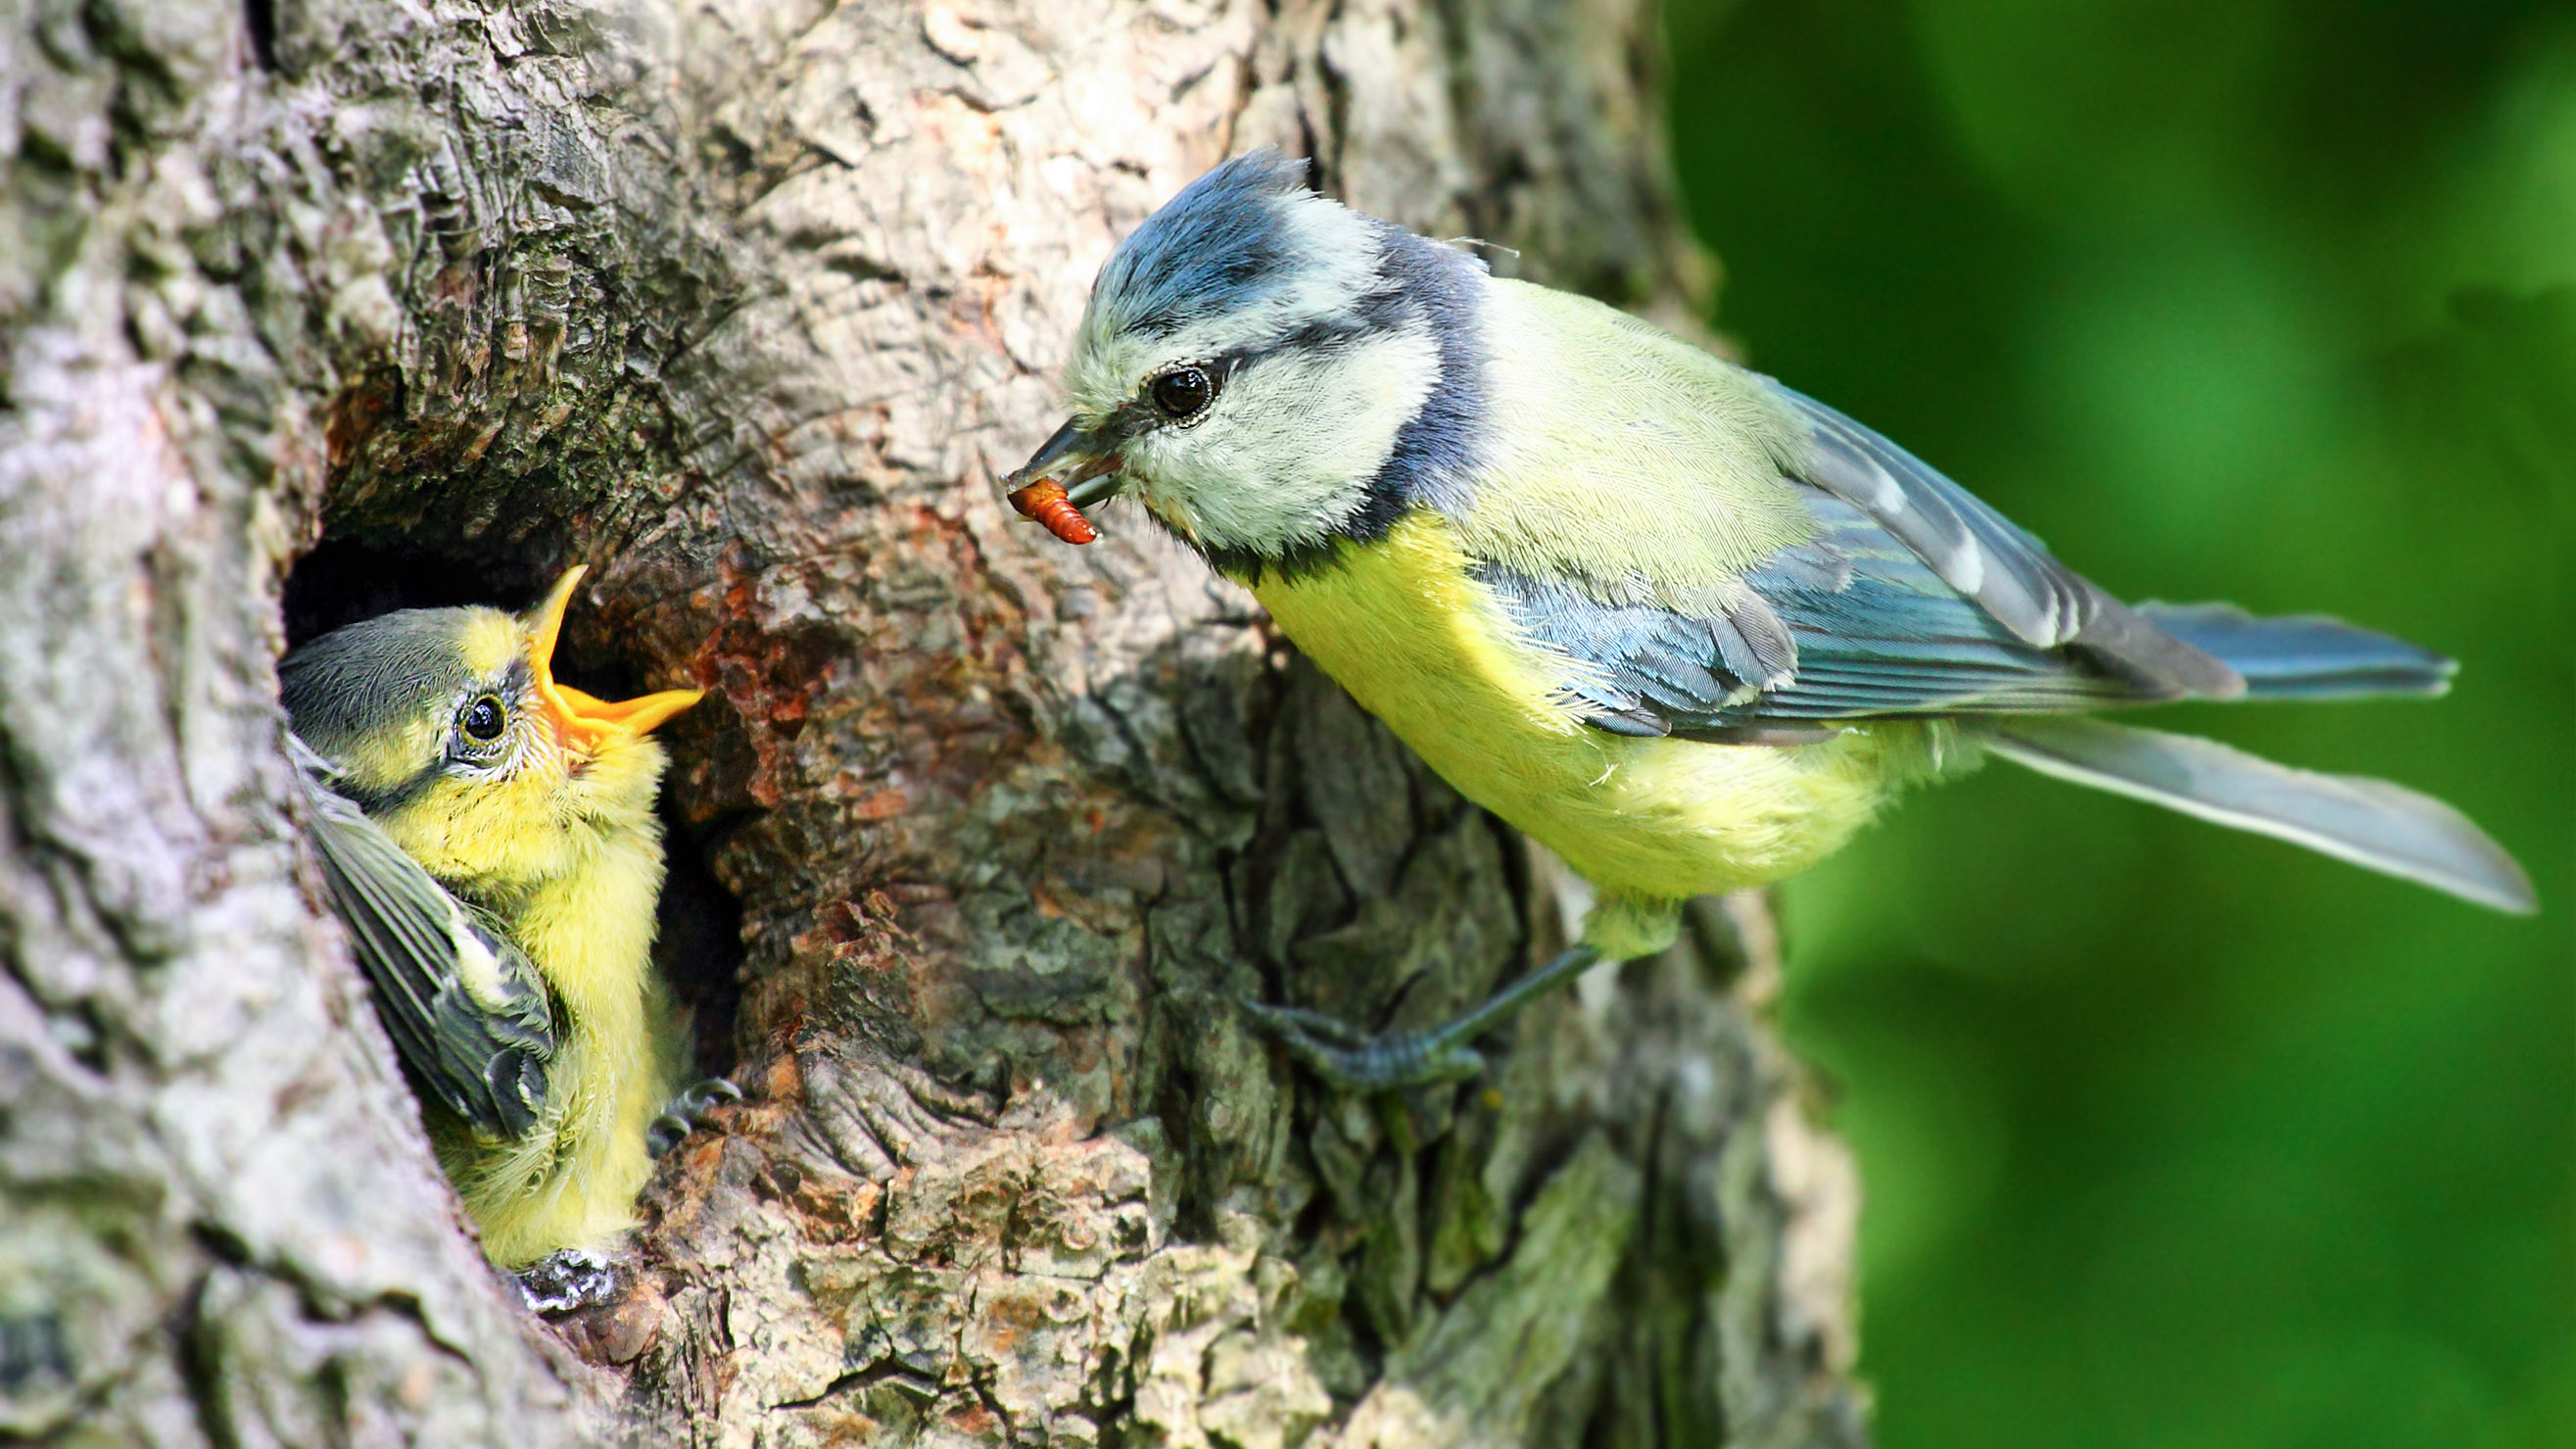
571	1181
570	867
1423	646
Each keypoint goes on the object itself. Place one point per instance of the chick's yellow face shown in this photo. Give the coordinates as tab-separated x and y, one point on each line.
498	778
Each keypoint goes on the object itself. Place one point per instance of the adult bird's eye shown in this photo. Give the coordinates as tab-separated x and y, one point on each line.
483	719
1182	394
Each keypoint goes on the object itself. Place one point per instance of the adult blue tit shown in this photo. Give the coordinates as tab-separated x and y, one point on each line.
487	833
1684	626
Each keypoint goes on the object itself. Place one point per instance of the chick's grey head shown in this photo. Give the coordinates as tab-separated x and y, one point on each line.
391	700
1269	371
406	704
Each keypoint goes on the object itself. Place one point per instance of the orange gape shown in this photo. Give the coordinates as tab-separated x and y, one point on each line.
1045	502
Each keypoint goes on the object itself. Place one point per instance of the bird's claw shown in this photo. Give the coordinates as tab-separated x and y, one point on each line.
572	1279
684	1112
1362	1063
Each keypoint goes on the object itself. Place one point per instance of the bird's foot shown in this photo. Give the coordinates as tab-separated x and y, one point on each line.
684	1112
564	1282
1354	1061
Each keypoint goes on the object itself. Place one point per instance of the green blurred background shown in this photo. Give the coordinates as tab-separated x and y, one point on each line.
2174	1136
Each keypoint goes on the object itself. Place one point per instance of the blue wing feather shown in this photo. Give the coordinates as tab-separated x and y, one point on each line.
1873	629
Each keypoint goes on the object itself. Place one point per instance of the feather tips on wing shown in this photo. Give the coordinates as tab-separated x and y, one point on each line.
1973	549
465	1008
1984	556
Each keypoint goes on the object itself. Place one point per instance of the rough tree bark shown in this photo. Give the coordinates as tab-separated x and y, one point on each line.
314	307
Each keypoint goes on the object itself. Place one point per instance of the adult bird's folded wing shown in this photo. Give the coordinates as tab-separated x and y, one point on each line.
1866	628
1911	598
465	1008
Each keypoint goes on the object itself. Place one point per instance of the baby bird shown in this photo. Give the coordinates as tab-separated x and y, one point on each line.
1684	626
488	837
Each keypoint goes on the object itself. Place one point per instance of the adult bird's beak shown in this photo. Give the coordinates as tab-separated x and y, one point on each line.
578	718
1082	460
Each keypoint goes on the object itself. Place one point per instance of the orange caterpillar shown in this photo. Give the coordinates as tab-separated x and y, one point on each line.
1045	502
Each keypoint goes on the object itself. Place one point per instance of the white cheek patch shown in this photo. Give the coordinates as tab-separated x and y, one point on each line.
1287	453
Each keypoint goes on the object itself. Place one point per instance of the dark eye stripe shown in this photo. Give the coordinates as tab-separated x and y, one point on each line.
378	802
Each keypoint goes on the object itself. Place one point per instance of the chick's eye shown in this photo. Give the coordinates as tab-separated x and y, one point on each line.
1182	394
483	719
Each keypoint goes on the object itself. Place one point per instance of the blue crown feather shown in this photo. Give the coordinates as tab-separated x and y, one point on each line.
1219	246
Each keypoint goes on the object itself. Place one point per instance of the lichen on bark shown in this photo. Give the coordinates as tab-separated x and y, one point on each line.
324	306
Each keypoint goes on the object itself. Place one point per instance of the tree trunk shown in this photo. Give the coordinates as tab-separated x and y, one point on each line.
746	304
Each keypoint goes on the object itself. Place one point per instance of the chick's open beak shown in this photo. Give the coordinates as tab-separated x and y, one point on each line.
1082	460
580	719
